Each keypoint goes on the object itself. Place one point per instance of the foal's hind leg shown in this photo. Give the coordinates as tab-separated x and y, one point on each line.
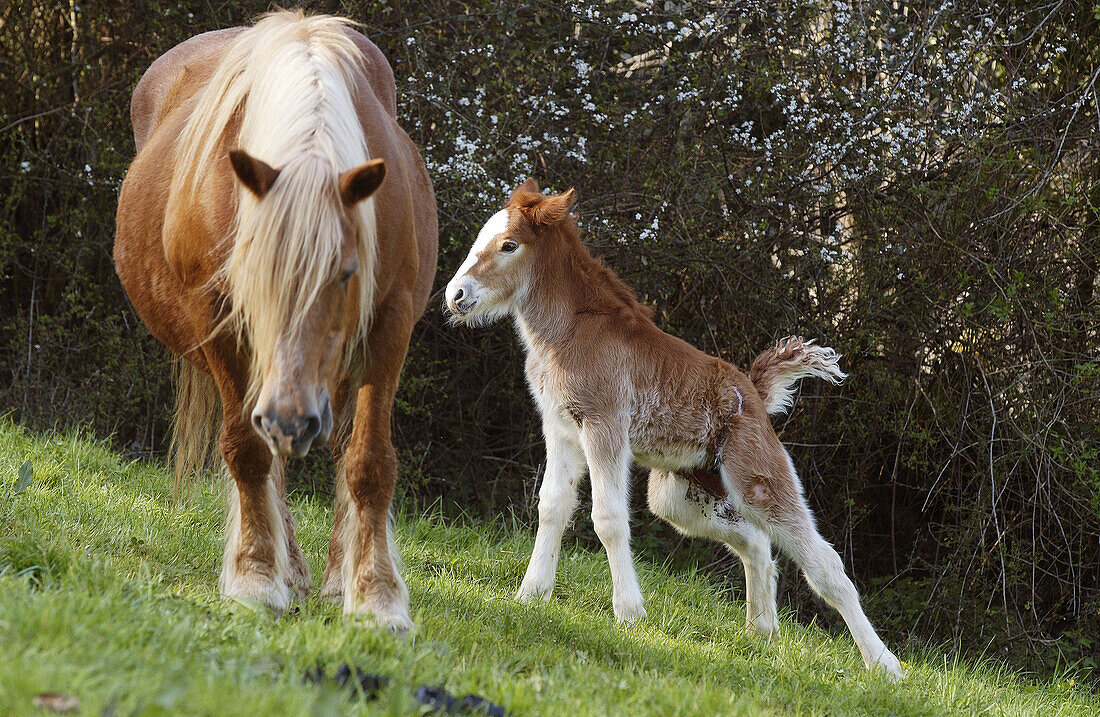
694	512
769	493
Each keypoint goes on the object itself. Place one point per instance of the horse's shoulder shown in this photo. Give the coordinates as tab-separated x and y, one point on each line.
161	86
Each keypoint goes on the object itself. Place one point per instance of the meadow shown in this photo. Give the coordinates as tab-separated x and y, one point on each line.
108	595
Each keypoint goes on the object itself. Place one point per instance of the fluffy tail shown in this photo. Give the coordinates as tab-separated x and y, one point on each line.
777	371
198	416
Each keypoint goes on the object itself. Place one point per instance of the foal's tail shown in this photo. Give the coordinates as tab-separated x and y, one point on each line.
195	426
777	371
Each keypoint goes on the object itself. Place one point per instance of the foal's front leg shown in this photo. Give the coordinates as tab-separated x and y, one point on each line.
607	450
557	500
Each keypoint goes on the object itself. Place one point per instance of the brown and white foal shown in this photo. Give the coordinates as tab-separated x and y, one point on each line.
612	387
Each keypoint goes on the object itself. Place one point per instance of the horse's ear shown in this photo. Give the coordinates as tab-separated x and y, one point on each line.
254	173
359	183
552	209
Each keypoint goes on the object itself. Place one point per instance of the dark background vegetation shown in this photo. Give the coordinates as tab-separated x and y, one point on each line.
914	183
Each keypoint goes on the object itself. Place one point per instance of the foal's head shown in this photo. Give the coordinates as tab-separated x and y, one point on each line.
297	289
508	250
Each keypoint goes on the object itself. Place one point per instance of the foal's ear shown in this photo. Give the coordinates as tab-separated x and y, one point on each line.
552	209
255	174
359	183
527	194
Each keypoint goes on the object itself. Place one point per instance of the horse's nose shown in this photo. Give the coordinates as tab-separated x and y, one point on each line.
288	435
460	294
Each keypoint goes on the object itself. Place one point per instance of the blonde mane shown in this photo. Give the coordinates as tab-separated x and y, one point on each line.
289	83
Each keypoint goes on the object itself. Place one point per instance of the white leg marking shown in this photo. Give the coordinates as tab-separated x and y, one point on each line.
271	590
557	501
609	468
797	536
388	608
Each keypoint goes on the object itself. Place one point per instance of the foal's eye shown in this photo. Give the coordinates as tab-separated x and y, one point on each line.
509	246
346	277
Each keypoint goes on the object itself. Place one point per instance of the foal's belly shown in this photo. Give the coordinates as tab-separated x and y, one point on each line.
669	457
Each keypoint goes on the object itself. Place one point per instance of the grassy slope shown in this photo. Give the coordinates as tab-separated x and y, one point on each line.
109	593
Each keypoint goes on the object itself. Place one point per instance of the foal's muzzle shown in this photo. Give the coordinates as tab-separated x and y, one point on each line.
290	432
461	297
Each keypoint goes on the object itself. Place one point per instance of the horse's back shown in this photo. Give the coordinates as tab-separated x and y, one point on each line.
161	83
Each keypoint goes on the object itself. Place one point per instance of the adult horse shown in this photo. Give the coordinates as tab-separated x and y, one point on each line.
250	243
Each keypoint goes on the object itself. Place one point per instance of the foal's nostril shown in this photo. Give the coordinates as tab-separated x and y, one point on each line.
459	296
258	422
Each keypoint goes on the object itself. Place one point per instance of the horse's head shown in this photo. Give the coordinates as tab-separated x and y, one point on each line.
298	278
509	249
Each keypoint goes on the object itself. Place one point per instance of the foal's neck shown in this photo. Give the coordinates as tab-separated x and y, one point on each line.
571	289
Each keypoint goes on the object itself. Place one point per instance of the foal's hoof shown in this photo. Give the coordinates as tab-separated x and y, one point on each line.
890	666
629	611
764	627
531	593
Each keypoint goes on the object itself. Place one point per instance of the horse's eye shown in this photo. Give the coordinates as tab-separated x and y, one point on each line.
346	276
509	246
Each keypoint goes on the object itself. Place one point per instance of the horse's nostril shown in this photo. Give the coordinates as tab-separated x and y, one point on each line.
313	427
258	421
460	295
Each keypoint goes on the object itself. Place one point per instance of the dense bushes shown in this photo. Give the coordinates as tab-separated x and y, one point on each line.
917	186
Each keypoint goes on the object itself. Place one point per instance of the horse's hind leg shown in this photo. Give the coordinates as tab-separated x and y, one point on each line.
332	584
694	512
771	496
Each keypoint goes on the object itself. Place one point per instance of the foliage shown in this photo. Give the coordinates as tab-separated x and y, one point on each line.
109	590
916	185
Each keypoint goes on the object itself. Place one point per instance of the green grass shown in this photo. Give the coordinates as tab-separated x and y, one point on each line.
108	593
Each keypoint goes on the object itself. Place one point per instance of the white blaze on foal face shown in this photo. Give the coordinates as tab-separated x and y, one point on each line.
483	287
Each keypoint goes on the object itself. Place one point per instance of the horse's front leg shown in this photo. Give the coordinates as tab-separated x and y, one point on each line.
607	450
262	560
371	583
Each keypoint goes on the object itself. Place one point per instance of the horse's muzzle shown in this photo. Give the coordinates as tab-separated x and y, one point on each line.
292	434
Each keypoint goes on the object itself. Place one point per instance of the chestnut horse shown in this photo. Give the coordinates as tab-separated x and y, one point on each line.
257	240
612	388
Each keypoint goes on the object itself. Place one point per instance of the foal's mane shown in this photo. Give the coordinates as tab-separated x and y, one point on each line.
599	290
285	93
